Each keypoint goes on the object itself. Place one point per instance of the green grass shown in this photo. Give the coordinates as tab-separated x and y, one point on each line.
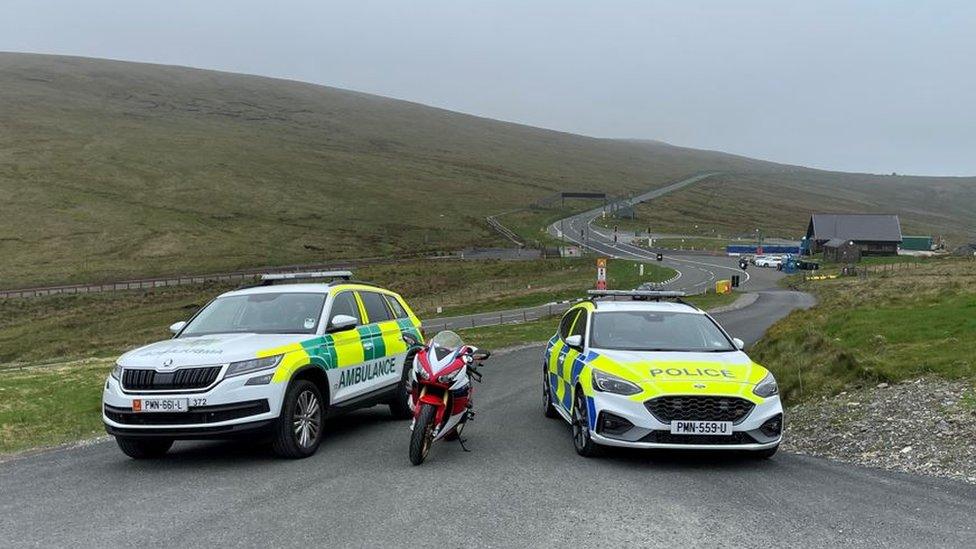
51	405
889	327
532	223
111	169
510	335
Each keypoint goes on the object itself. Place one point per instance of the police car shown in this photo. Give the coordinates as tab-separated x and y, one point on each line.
271	360
657	374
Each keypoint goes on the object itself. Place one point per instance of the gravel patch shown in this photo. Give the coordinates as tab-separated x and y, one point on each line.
924	426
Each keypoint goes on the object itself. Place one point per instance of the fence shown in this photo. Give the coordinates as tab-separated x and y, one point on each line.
246	275
512	316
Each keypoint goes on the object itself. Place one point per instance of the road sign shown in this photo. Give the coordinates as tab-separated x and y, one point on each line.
601	273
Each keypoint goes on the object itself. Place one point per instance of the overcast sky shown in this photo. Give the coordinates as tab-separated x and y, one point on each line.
877	86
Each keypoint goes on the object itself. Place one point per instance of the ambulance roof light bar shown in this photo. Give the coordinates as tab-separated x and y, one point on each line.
271	278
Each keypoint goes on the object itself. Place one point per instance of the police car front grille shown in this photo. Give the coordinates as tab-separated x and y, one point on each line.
665	437
183	379
699	408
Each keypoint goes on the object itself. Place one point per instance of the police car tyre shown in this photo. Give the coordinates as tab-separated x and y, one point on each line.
765	454
400	404
422	436
582	440
141	448
298	431
547	408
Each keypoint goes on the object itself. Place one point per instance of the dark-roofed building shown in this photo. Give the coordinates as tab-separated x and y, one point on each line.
873	234
841	251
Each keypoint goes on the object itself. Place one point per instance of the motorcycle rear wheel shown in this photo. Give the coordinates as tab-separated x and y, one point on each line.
423	434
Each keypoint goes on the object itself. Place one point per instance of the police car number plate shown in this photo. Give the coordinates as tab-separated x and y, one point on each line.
150	405
719	428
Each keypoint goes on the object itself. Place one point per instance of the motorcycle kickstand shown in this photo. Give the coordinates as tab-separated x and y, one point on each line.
469	416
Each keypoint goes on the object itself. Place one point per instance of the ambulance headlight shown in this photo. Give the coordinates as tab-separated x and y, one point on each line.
117	371
253	365
607	383
767	387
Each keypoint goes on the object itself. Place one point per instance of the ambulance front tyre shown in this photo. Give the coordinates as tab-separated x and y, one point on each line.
298	431
400	403
144	448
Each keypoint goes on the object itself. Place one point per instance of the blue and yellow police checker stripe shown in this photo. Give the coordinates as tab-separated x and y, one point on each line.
348	348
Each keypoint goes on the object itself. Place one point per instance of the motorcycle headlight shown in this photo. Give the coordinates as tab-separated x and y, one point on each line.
117	371
607	383
767	387
253	365
449	378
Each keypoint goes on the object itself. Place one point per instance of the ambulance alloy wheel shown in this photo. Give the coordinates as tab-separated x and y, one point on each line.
400	404
298	431
144	448
547	408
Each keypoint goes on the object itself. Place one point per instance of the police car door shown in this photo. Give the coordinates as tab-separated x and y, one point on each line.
560	354
383	348
345	375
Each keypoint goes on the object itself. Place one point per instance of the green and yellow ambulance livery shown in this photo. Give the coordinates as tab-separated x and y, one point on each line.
657	374
272	360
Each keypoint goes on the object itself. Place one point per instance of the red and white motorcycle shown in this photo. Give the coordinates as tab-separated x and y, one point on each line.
441	390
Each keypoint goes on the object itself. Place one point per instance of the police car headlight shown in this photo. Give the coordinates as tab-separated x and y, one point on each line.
117	371
607	383
253	365
767	387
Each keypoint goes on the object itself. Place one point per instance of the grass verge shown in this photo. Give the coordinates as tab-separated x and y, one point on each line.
886	327
47	406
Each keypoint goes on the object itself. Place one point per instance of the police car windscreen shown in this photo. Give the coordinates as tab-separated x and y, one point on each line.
272	313
657	331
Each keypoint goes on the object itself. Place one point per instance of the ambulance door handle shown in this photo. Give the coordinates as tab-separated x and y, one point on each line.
368	344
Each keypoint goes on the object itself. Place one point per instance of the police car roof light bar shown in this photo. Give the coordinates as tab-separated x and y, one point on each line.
654	294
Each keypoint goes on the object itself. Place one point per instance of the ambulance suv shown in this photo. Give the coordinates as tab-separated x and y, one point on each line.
657	373
272	360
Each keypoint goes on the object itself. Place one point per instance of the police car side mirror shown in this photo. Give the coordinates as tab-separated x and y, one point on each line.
575	341
739	344
342	322
177	326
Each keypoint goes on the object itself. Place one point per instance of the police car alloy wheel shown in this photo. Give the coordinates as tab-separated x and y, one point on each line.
299	429
581	428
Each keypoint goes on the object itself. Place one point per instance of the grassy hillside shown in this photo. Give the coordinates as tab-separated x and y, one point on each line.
111	169
781	204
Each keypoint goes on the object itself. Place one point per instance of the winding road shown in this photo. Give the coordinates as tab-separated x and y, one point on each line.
521	485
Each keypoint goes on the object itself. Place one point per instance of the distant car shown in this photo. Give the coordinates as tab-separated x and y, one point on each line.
271	361
645	287
657	375
773	261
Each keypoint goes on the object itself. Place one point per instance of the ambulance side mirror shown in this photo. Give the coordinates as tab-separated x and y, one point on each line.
575	341
342	323
739	344
177	326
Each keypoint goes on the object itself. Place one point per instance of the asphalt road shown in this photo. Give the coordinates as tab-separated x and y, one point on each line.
521	485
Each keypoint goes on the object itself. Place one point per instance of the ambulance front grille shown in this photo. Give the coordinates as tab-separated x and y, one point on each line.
177	380
699	408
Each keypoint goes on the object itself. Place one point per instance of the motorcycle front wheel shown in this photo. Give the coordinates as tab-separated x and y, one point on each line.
423	434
